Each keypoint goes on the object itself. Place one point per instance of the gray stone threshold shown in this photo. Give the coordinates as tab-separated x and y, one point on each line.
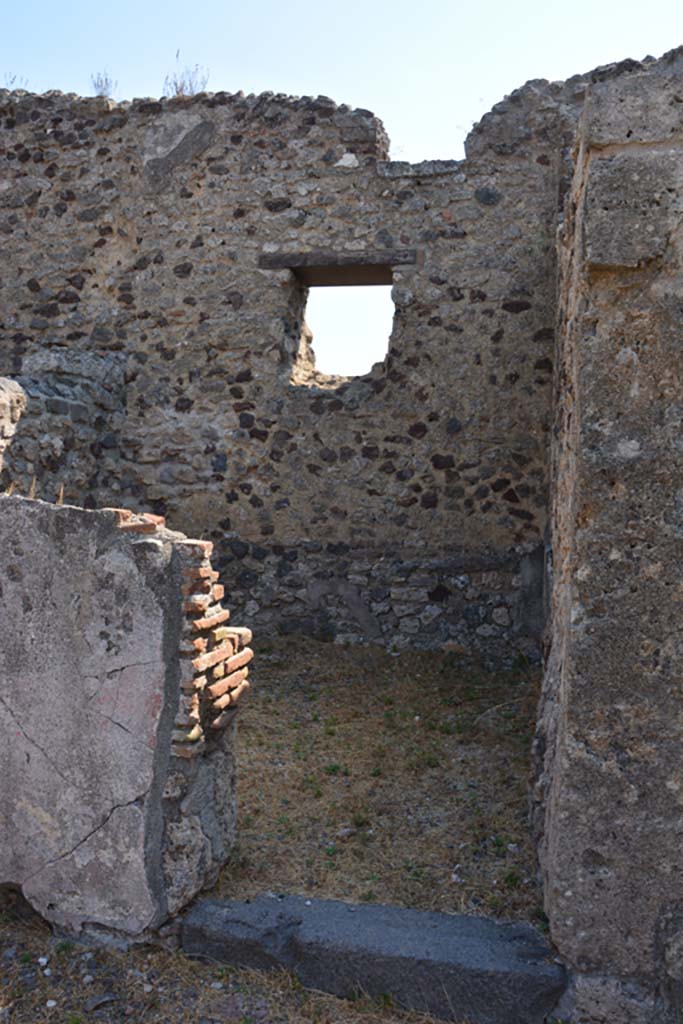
456	967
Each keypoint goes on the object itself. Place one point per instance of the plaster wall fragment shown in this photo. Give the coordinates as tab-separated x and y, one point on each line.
117	803
12	405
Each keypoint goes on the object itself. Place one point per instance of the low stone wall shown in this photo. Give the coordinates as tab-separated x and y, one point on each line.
487	603
119	681
73	410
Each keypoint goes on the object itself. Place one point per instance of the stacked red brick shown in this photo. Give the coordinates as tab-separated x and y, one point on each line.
214	674
214	654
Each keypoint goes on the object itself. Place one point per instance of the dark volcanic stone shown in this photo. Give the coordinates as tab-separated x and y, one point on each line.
487	196
453	966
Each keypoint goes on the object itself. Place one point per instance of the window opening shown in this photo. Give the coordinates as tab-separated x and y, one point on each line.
350	328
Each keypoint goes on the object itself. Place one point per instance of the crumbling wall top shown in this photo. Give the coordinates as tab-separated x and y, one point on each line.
360	129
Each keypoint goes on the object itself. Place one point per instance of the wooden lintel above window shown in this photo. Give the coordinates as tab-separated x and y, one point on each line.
325	268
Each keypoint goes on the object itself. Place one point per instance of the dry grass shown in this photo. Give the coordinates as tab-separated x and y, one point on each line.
363	777
403	780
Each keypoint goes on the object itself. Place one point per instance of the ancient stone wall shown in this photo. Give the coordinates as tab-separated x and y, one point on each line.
119	680
610	740
153	302
157	257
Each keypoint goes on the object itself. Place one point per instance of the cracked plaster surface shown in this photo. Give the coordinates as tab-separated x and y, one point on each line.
82	884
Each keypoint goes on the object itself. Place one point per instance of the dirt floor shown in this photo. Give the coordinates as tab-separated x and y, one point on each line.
403	780
363	777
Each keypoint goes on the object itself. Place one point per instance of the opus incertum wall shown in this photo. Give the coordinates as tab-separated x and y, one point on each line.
157	260
157	257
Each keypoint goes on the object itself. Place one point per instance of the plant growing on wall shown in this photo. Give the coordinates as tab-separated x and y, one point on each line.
14	81
185	81
103	84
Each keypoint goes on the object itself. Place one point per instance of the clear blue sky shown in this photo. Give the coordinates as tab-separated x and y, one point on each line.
428	69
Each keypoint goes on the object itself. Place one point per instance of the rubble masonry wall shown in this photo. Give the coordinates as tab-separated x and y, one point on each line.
167	368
